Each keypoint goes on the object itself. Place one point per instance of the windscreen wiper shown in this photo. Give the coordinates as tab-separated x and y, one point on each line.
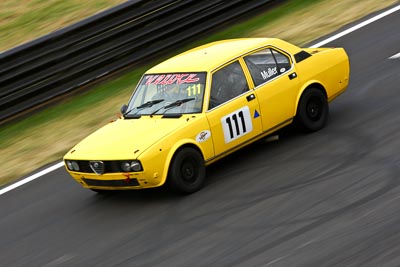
144	105
176	103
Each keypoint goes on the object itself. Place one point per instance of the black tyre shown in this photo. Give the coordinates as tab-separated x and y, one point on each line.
187	171
313	110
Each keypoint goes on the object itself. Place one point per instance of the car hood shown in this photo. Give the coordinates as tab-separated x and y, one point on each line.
124	138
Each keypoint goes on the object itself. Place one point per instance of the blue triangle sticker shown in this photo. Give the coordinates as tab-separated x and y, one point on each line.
256	114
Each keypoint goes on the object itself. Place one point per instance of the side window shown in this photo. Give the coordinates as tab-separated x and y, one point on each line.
266	64
227	83
282	62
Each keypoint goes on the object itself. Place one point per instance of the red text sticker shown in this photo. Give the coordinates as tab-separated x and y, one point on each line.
171	78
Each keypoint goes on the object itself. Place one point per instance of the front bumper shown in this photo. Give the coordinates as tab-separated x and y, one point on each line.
117	181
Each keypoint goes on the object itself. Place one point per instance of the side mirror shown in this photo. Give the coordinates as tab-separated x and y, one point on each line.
124	108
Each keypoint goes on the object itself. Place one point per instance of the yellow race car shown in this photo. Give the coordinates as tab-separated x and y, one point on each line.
199	106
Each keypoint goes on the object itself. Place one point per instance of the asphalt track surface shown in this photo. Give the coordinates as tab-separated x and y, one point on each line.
329	198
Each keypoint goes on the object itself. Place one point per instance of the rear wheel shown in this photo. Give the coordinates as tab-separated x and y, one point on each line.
313	110
187	171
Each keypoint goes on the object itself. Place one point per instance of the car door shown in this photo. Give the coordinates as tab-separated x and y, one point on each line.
233	110
276	85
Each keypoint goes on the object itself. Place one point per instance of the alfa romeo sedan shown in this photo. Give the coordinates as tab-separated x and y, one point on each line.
199	106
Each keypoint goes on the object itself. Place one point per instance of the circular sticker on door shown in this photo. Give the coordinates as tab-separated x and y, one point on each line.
203	136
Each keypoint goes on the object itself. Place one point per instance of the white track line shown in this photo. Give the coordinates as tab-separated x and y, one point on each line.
330	39
395	56
31	178
356	27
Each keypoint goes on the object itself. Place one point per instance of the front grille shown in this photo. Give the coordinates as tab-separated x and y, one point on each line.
108	166
115	183
97	166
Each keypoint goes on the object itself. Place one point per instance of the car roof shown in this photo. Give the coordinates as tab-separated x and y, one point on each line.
209	56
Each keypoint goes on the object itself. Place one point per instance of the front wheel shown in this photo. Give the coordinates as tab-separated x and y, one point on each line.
313	110
187	171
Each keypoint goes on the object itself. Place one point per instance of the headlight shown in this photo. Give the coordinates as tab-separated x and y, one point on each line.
126	166
135	166
72	165
69	164
131	166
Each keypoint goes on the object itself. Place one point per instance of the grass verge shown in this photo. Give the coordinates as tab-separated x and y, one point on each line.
45	137
24	20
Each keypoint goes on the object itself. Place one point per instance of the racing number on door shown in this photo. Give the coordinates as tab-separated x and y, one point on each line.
236	124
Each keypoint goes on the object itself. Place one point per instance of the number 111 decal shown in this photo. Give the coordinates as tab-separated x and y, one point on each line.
237	124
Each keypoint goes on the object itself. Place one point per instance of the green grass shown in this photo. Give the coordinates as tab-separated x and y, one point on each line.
24	20
71	107
46	136
243	29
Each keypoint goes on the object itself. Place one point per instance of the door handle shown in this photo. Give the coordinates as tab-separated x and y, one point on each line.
292	75
250	97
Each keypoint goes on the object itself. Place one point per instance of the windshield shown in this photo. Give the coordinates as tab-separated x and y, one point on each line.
168	93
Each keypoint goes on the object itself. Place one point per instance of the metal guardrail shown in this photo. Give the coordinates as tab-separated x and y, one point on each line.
65	60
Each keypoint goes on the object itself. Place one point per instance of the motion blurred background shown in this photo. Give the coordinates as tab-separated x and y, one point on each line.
43	136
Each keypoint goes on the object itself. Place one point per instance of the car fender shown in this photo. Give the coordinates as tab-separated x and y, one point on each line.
174	149
309	84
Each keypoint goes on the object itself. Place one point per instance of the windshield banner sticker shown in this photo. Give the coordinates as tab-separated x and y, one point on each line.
171	78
